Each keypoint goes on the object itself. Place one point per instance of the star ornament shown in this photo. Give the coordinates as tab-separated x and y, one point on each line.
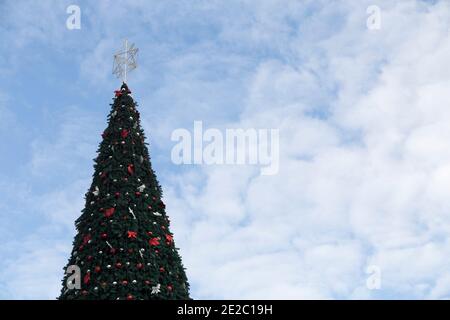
132	234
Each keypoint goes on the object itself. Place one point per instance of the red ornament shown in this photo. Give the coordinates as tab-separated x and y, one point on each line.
87	278
117	93
130	297
149	207
80	248
130	169
137	193
104	236
161	269
113	251
162	205
169	288
117	194
86	238
130	250
84	293
153	241
169	238
147	282
118	265
124	282
103	175
149	233
89	258
97	269
109	212
132	234
139	266
124	133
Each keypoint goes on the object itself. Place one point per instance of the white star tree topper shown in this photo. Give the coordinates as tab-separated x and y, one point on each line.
125	61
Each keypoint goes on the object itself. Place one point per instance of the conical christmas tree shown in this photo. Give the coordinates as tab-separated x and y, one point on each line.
124	248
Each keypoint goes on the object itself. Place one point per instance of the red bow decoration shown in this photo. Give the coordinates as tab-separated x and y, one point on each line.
132	234
130	169
117	93
169	238
109	212
124	133
153	241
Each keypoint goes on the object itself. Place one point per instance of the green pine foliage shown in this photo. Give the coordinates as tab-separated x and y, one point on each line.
124	247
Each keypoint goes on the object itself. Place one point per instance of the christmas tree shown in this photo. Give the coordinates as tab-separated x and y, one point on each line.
123	247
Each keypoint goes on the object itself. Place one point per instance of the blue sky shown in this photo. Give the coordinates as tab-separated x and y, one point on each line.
362	114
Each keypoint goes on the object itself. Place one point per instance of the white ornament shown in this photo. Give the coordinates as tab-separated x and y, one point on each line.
156	289
114	114
141	188
96	191
157	214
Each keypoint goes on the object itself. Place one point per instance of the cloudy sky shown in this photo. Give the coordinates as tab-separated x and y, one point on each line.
363	118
